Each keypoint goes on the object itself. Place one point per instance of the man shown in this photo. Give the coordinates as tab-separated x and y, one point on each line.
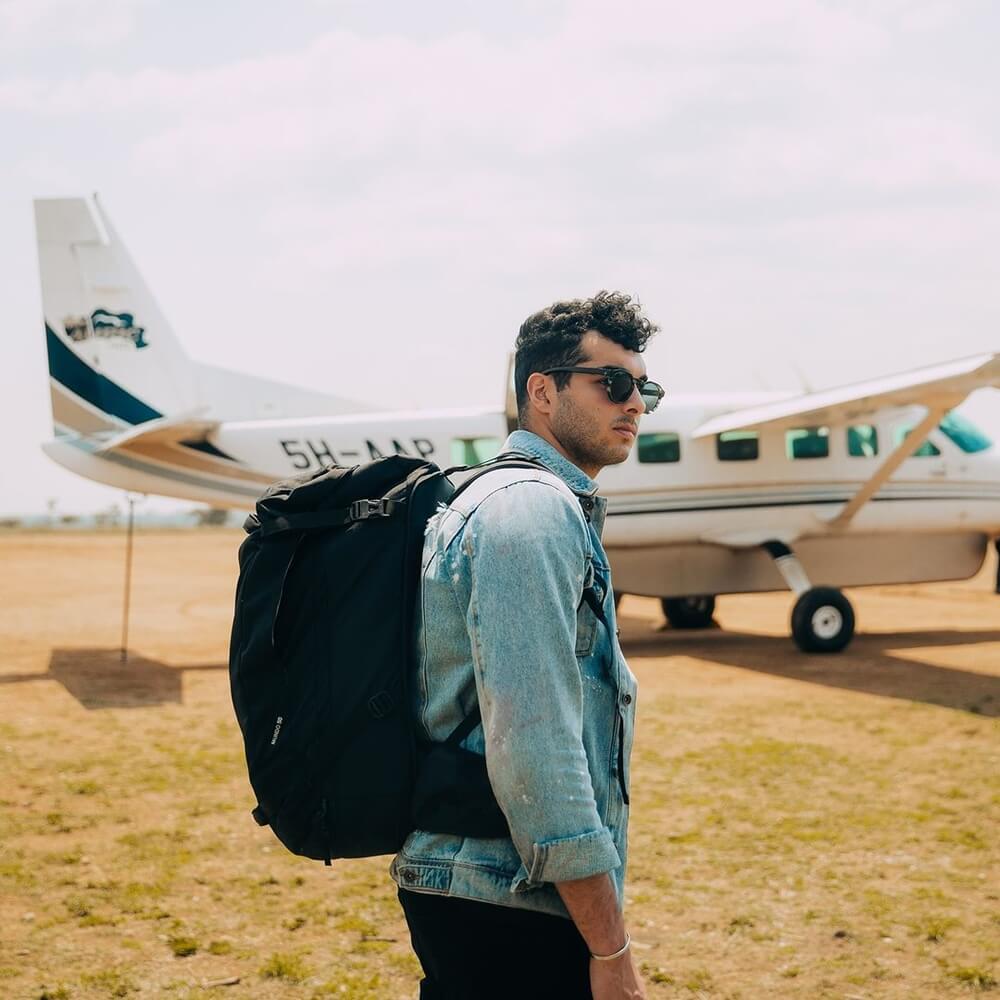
503	621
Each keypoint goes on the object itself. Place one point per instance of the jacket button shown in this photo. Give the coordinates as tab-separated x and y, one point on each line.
627	699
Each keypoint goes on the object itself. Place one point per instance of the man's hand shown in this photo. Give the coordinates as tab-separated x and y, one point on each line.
616	980
593	906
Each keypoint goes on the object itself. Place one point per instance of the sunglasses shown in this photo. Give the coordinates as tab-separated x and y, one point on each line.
621	384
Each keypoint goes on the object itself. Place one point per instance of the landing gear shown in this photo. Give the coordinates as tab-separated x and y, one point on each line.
689	612
822	619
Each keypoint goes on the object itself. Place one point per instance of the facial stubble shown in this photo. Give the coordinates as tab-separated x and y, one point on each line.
580	432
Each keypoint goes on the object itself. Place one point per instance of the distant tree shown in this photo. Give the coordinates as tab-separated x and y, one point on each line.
209	517
109	517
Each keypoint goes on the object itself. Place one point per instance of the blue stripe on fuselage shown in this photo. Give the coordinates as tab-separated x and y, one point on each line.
76	375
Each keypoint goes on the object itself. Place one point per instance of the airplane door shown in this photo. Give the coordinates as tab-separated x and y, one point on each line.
938	467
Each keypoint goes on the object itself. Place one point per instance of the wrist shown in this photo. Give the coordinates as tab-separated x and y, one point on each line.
615	954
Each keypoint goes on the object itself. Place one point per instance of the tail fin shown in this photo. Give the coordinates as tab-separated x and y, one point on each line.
113	360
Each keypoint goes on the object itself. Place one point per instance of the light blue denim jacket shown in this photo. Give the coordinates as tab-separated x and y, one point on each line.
500	619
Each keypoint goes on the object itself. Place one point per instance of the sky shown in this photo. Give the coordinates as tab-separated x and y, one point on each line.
368	199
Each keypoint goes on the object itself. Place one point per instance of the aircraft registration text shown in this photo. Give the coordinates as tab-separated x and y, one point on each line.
306	453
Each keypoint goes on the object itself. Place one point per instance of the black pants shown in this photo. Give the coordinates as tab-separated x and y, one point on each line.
477	951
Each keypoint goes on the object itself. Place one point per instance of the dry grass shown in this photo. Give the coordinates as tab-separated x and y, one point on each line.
802	827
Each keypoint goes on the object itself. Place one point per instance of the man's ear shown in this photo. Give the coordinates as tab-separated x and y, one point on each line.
541	390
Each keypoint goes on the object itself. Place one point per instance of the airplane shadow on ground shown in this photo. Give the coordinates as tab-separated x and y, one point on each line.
97	678
866	666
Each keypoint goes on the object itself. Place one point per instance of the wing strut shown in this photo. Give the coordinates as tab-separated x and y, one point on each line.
903	451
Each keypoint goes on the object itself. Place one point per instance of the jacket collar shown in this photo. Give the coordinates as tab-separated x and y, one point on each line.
529	443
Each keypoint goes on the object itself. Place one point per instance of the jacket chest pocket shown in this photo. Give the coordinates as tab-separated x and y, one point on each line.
596	579
586	630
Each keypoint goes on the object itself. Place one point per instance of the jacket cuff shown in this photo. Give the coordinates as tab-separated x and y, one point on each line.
574	857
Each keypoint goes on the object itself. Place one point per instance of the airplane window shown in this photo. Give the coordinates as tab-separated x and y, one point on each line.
665	447
472	451
964	433
862	441
737	446
807	442
927	450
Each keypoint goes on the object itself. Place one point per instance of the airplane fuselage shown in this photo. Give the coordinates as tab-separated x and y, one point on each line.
681	519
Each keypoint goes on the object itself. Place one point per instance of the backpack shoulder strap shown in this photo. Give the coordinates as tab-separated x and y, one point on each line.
509	460
465	727
517	460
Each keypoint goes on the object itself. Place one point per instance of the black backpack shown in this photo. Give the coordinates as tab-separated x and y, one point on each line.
321	653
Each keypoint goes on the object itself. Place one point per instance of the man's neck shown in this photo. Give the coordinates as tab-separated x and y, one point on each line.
545	433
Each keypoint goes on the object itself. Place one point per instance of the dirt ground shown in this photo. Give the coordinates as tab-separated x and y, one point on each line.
802	827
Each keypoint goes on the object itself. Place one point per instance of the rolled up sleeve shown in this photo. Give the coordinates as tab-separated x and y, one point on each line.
527	546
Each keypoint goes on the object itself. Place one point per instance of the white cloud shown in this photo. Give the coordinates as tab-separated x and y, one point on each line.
38	23
765	174
649	78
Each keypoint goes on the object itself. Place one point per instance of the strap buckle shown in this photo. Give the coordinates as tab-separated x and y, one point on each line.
362	509
381	704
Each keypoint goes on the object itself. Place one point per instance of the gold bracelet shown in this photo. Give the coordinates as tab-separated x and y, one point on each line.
618	954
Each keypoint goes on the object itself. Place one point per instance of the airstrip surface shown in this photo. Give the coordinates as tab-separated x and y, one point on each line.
803	827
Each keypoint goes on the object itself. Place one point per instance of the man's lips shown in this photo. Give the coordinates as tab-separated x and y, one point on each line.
627	429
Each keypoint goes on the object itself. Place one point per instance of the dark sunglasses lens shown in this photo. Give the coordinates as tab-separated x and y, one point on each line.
620	386
651	395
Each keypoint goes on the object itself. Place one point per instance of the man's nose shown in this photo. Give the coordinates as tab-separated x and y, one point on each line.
635	403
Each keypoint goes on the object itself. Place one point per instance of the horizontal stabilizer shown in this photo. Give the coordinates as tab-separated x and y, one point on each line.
181	450
167	430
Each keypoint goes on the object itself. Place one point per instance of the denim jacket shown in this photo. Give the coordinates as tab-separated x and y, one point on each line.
500	619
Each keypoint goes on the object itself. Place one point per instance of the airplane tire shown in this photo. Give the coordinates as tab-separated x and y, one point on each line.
689	612
822	621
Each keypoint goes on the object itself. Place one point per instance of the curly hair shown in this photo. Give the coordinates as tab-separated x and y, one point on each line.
551	338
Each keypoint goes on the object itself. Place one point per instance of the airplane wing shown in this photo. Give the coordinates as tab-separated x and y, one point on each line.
938	387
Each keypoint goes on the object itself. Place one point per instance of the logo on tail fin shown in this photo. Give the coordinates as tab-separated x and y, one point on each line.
103	323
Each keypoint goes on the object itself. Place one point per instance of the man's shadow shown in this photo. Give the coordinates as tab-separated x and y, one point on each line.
97	678
872	664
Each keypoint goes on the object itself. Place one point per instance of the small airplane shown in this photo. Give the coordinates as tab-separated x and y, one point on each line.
877	482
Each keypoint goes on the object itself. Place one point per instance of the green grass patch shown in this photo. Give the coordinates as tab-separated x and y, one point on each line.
171	848
14	872
765	758
114	982
933	927
182	946
359	923
77	906
83	787
971	839
52	993
698	981
285	965
355	985
657	974
974	977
